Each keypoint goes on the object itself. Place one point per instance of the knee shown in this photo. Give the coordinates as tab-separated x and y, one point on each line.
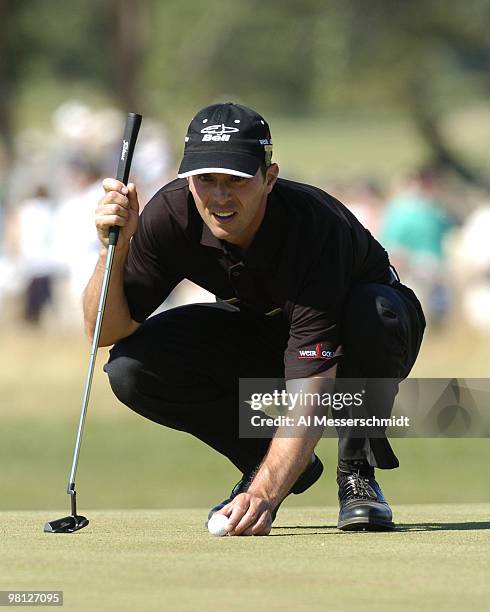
370	311
374	331
124	376
359	314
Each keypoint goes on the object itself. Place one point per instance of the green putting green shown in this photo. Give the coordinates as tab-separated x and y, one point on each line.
166	560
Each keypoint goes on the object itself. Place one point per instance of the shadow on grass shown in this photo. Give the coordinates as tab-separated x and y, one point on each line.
401	527
470	526
324	530
310	533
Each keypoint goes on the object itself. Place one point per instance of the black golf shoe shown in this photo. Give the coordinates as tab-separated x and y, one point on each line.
362	504
304	482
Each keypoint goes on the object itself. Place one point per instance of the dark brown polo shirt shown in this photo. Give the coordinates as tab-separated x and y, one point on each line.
307	253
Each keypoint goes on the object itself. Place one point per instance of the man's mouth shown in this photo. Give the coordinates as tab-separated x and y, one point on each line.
224	217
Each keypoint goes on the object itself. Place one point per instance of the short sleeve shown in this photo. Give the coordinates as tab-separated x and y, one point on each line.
313	346
148	275
314	337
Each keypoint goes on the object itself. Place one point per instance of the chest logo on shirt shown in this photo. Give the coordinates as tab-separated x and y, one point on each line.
317	353
217	133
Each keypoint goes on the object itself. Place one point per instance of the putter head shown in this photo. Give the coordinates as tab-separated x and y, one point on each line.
67	524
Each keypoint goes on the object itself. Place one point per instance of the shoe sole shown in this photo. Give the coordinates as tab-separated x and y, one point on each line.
366	525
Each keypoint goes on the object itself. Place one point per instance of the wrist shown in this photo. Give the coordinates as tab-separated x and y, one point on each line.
266	491
120	253
272	501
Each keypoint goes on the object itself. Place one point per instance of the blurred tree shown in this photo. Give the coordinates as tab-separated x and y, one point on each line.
8	76
321	55
424	57
127	23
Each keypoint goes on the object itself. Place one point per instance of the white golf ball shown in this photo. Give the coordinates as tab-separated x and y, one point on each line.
216	524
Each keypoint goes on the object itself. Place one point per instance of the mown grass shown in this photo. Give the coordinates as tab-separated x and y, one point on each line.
165	560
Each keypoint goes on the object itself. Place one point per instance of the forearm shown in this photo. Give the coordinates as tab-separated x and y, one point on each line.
117	322
286	460
288	456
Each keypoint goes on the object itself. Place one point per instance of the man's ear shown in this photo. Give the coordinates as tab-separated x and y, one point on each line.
271	176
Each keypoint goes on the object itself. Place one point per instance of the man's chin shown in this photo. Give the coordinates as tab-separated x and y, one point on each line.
220	233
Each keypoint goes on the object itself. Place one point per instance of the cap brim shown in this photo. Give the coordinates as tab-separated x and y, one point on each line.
239	164
212	170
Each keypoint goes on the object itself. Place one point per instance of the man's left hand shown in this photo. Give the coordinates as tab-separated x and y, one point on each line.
248	515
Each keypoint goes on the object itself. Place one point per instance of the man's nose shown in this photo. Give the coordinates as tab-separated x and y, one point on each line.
221	193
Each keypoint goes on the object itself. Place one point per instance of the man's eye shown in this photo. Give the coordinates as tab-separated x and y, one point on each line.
236	179
204	178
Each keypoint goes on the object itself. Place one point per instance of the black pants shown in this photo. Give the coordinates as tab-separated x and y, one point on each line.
181	367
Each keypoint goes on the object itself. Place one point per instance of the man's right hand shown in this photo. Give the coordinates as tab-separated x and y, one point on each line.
119	206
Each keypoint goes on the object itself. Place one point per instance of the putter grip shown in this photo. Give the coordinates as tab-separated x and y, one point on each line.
131	130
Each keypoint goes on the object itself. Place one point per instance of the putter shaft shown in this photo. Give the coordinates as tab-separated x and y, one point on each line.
91	367
75	522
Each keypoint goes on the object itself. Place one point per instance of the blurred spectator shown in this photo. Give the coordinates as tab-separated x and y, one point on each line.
76	245
29	238
474	264
52	251
152	162
363	197
414	228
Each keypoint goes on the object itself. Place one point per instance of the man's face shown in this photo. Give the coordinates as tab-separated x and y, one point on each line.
233	206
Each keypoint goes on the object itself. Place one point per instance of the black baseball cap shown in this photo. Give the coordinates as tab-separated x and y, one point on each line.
227	138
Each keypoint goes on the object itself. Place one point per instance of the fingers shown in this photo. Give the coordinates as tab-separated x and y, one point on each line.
111	184
119	193
248	515
115	205
261	527
246	522
118	206
239	508
111	213
107	221
114	197
227	510
133	197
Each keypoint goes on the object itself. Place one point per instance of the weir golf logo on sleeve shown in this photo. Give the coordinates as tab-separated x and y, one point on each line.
317	353
218	133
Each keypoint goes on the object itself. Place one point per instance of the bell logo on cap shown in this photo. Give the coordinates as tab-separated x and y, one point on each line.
213	146
217	133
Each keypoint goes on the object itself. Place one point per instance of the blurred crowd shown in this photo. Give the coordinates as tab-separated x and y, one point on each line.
435	230
48	242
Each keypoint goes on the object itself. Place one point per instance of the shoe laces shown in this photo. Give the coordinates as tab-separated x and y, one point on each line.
357	486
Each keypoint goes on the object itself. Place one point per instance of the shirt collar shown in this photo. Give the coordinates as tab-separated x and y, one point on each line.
207	238
266	242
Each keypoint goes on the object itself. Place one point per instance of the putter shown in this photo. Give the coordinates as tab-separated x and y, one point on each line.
74	522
